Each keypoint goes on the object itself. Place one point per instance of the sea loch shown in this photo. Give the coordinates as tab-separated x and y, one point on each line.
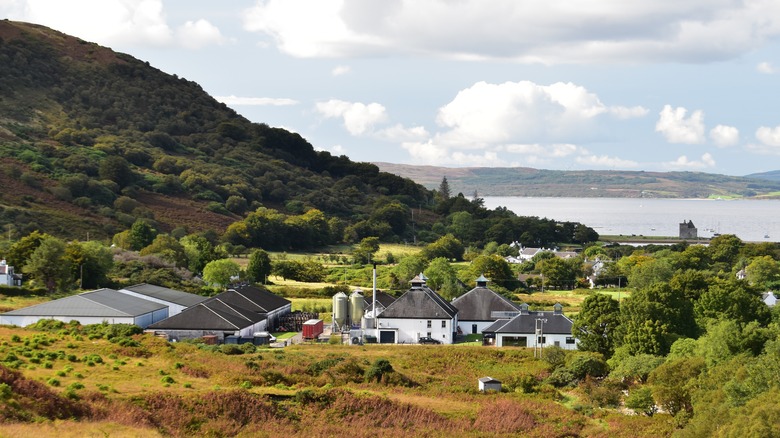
750	220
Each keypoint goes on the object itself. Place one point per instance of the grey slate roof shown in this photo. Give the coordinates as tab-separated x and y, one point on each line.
421	303
556	324
233	309
383	300
99	303
254	299
211	315
478	303
168	295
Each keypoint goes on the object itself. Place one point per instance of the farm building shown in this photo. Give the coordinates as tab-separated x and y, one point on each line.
174	299
95	307
241	312
531	328
420	312
481	307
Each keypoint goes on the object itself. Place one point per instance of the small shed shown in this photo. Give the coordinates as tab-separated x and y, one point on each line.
489	384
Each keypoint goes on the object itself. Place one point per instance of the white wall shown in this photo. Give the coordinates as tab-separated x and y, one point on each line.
550	340
23	321
465	326
411	330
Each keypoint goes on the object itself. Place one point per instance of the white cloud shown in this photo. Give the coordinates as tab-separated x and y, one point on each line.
678	129
766	68
769	136
359	118
399	133
622	112
432	153
769	141
519	112
255	101
336	150
554	31
683	163
197	34
724	136
114	22
340	70
605	161
549	151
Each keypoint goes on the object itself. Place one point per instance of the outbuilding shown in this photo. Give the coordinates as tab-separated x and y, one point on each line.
489	384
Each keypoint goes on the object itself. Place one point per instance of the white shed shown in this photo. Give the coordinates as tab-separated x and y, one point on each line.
489	384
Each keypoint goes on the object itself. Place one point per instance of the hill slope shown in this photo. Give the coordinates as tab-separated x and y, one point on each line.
523	181
95	139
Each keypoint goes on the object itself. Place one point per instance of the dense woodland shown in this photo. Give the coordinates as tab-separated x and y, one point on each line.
100	150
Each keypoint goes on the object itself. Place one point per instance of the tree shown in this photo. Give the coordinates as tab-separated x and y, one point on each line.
596	323
408	267
168	248
19	253
259	267
90	263
673	381
561	273
141	235
48	265
733	300
641	400
199	251
446	246
440	273
117	169
220	272
444	189
724	249
365	250
763	271
493	267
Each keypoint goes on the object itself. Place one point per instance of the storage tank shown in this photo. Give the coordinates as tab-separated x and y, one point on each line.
340	309
357	305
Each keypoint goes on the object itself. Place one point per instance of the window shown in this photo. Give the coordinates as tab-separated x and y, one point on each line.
429	323
429	334
569	340
541	340
444	324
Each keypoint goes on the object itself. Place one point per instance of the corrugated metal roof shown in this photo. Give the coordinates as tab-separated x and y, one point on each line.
99	303
214	314
170	295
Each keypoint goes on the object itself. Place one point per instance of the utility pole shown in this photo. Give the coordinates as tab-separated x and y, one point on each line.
539	344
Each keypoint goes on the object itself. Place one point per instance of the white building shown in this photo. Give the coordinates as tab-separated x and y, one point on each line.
533	329
420	312
174	299
96	307
7	276
480	307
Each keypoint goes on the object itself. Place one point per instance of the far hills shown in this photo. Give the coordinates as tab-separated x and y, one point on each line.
524	181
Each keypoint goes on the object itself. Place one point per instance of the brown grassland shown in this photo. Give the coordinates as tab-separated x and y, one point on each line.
64	383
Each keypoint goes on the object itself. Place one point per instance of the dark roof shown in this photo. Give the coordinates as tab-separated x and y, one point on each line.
253	298
422	303
164	294
213	314
478	303
98	303
383	298
556	323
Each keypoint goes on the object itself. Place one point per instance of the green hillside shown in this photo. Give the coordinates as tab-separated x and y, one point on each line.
91	140
523	181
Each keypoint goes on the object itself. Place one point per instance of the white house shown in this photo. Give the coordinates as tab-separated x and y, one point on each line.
481	307
7	276
532	329
769	298
418	313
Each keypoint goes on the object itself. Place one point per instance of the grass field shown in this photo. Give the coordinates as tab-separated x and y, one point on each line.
153	388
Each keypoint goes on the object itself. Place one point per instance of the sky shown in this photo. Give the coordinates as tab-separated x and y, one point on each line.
662	85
